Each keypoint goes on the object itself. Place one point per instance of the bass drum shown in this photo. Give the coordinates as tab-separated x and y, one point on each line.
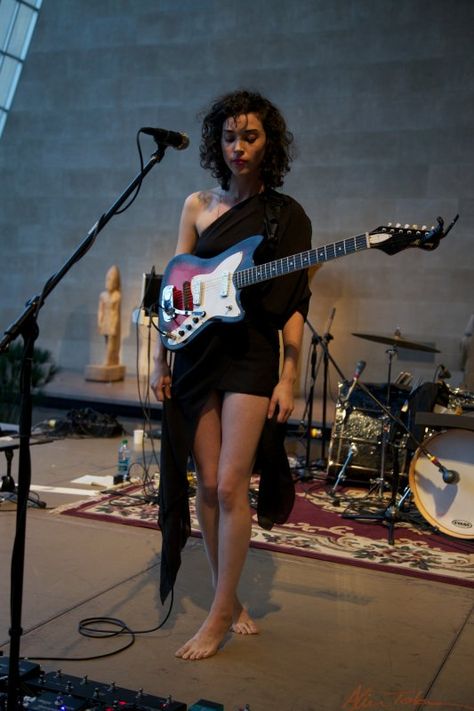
448	507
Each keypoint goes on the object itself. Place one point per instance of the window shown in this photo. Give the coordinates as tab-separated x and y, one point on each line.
17	22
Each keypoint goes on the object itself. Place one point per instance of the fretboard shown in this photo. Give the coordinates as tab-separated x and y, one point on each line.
297	262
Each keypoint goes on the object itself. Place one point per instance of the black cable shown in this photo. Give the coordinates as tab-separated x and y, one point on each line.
137	189
86	628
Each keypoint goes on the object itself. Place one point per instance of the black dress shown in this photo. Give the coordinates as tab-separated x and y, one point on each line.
234	357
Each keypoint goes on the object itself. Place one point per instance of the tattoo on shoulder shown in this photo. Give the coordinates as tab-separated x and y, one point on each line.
206	198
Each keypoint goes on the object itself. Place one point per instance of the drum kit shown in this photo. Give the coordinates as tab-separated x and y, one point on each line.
394	437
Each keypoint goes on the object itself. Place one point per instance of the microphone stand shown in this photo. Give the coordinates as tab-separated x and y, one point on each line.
26	326
323	342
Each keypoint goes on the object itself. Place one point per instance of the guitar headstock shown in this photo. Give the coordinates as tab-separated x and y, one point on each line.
392	239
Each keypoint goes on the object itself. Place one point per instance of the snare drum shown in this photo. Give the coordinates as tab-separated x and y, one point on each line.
358	422
448	507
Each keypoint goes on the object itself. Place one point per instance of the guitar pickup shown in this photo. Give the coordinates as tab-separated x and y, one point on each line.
196	291
224	284
167	303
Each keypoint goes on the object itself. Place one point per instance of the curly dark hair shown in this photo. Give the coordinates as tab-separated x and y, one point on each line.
277	158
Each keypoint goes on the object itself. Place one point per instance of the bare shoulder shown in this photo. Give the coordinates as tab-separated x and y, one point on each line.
194	216
201	200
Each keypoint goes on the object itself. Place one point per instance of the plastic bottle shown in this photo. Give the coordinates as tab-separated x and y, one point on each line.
123	461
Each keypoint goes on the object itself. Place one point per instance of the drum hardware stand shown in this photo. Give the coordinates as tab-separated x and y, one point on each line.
8	489
323	342
392	512
380	481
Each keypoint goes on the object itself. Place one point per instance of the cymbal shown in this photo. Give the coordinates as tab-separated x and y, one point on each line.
398	341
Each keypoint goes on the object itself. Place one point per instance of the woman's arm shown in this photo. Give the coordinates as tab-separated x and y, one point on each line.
160	381
282	396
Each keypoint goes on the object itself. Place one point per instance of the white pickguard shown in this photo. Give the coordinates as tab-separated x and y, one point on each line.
214	296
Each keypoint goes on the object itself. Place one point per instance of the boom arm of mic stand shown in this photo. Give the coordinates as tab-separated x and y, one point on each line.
34	304
26	325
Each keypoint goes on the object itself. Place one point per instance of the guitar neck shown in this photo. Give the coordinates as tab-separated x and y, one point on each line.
297	262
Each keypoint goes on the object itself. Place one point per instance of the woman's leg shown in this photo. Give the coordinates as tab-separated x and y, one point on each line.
241	421
206	451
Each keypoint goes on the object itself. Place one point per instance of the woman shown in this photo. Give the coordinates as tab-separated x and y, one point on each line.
226	383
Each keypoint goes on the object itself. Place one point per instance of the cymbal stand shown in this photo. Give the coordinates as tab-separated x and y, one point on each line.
392	512
380	483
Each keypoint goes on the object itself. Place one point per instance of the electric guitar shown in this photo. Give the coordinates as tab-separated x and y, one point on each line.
196	292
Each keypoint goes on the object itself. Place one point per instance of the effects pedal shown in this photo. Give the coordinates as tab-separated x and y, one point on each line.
95	694
26	671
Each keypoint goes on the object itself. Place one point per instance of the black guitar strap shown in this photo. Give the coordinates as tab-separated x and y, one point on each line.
272	206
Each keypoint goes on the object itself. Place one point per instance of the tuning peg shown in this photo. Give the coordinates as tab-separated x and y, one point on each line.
415	227
389	224
424	227
406	227
398	225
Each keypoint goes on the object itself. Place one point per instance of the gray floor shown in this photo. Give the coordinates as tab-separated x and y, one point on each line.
332	636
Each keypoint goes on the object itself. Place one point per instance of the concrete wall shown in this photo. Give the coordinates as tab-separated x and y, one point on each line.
378	93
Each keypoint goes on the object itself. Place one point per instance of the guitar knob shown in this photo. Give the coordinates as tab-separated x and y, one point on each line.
189	327
181	332
195	319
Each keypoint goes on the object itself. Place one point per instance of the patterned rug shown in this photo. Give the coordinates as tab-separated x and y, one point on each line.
317	529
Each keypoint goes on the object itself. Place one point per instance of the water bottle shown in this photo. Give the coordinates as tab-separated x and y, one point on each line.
123	461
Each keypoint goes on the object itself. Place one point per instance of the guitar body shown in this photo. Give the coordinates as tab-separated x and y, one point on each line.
196	292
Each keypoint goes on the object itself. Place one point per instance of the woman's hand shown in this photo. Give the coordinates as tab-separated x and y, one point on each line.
282	400
160	381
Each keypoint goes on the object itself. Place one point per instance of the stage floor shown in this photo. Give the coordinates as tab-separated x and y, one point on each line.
333	637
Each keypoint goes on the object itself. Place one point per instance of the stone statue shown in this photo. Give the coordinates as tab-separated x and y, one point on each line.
108	323
108	315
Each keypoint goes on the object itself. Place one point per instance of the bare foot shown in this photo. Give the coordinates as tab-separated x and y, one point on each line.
207	639
242	622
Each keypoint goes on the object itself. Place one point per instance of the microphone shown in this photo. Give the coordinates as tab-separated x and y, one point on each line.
449	475
357	373
180	141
